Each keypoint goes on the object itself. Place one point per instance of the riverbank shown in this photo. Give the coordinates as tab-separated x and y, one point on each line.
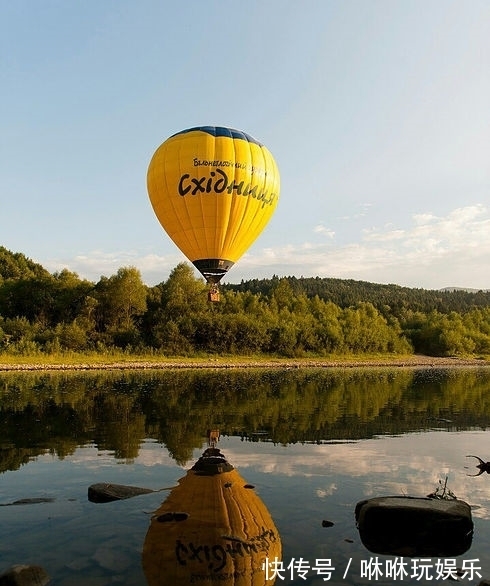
411	361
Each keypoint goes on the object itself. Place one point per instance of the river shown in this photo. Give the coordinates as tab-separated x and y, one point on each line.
304	447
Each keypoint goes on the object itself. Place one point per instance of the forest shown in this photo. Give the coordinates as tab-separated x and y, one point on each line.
52	313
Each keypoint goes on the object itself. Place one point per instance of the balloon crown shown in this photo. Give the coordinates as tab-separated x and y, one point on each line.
221	131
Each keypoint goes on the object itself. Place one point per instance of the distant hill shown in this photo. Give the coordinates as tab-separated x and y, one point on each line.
388	299
467	289
15	265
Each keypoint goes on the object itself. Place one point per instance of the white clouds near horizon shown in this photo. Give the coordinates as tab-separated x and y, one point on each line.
446	250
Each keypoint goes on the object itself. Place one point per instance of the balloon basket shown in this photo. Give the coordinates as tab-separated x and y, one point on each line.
213	295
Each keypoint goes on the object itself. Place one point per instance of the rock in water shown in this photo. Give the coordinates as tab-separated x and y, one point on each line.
24	576
413	526
105	493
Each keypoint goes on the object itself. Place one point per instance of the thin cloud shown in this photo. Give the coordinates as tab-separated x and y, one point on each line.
320	229
433	252
97	263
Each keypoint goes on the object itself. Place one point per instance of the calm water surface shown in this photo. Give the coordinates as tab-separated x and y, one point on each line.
311	443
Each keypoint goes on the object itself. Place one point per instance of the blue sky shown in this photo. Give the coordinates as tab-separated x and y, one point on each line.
377	113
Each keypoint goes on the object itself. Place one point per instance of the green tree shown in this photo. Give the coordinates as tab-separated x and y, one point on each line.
121	302
175	308
282	294
366	330
70	296
183	294
328	329
284	335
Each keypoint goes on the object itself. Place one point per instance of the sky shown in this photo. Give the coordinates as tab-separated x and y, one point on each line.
376	112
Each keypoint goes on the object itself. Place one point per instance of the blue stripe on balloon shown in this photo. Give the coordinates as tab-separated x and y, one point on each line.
221	131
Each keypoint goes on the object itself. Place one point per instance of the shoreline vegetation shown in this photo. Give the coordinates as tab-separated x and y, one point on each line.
61	321
227	362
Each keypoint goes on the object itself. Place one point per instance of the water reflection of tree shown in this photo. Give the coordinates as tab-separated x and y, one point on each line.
116	411
119	425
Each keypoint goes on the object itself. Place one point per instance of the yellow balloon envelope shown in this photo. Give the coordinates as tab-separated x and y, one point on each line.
212	529
213	190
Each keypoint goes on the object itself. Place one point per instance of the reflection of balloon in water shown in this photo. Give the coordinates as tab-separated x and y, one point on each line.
211	529
213	189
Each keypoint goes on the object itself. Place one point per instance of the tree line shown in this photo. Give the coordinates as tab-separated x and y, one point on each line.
42	312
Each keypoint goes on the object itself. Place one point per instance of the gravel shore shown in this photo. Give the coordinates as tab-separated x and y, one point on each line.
403	362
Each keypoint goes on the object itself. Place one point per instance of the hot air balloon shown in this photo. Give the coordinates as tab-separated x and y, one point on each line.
211	529
213	190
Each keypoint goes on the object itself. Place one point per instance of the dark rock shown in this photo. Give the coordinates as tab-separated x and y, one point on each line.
29	501
32	501
24	576
412	526
326	523
105	493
